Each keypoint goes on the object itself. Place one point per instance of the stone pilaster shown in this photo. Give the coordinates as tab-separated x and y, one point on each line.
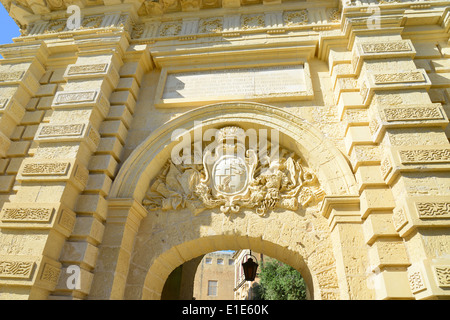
52	179
403	188
355	279
123	222
113	132
23	222
84	108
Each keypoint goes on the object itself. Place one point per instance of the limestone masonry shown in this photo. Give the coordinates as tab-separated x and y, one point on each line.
136	136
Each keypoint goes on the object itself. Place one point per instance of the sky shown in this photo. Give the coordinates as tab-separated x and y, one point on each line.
8	28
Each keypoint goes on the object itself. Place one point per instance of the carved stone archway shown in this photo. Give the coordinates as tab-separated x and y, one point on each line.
153	244
319	152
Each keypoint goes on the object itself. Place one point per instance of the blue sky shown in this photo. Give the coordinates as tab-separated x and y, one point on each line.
8	28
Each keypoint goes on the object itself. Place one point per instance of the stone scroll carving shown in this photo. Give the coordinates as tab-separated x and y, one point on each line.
232	177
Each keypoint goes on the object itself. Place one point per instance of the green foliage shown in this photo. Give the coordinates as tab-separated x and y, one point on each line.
278	281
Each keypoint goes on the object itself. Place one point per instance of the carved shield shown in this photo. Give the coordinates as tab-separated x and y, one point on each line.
229	167
230	175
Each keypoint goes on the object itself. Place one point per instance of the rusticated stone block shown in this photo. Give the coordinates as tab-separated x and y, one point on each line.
376	200
378	225
42	170
49	132
387	253
414	158
423	211
381	50
429	278
85	98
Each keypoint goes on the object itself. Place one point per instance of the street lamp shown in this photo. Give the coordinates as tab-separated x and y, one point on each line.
250	268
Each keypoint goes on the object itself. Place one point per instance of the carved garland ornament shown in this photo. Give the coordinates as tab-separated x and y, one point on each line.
231	177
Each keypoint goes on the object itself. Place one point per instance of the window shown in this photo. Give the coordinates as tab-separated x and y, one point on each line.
230	262
212	287
219	261
208	260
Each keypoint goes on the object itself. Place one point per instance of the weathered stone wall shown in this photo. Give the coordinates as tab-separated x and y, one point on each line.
86	123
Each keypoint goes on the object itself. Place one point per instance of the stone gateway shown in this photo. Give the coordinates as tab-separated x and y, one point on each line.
151	133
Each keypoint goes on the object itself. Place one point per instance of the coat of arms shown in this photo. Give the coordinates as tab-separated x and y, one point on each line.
232	177
229	167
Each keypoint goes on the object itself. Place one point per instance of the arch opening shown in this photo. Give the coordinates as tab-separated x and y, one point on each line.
219	275
153	290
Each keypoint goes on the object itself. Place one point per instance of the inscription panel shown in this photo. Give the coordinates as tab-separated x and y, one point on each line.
244	83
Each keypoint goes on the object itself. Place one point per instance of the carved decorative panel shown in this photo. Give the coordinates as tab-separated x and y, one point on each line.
413	113
28	214
89	68
231	178
15	269
425	156
443	276
49	168
433	209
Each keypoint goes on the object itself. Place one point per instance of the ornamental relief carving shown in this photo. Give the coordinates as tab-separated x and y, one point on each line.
89	68
443	276
11	76
61	130
170	28
138	30
425	156
50	274
210	25
252	21
433	209
72	97
20	214
15	269
295	18
50	168
416	281
399	219
400	77
385	47
413	113
232	177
